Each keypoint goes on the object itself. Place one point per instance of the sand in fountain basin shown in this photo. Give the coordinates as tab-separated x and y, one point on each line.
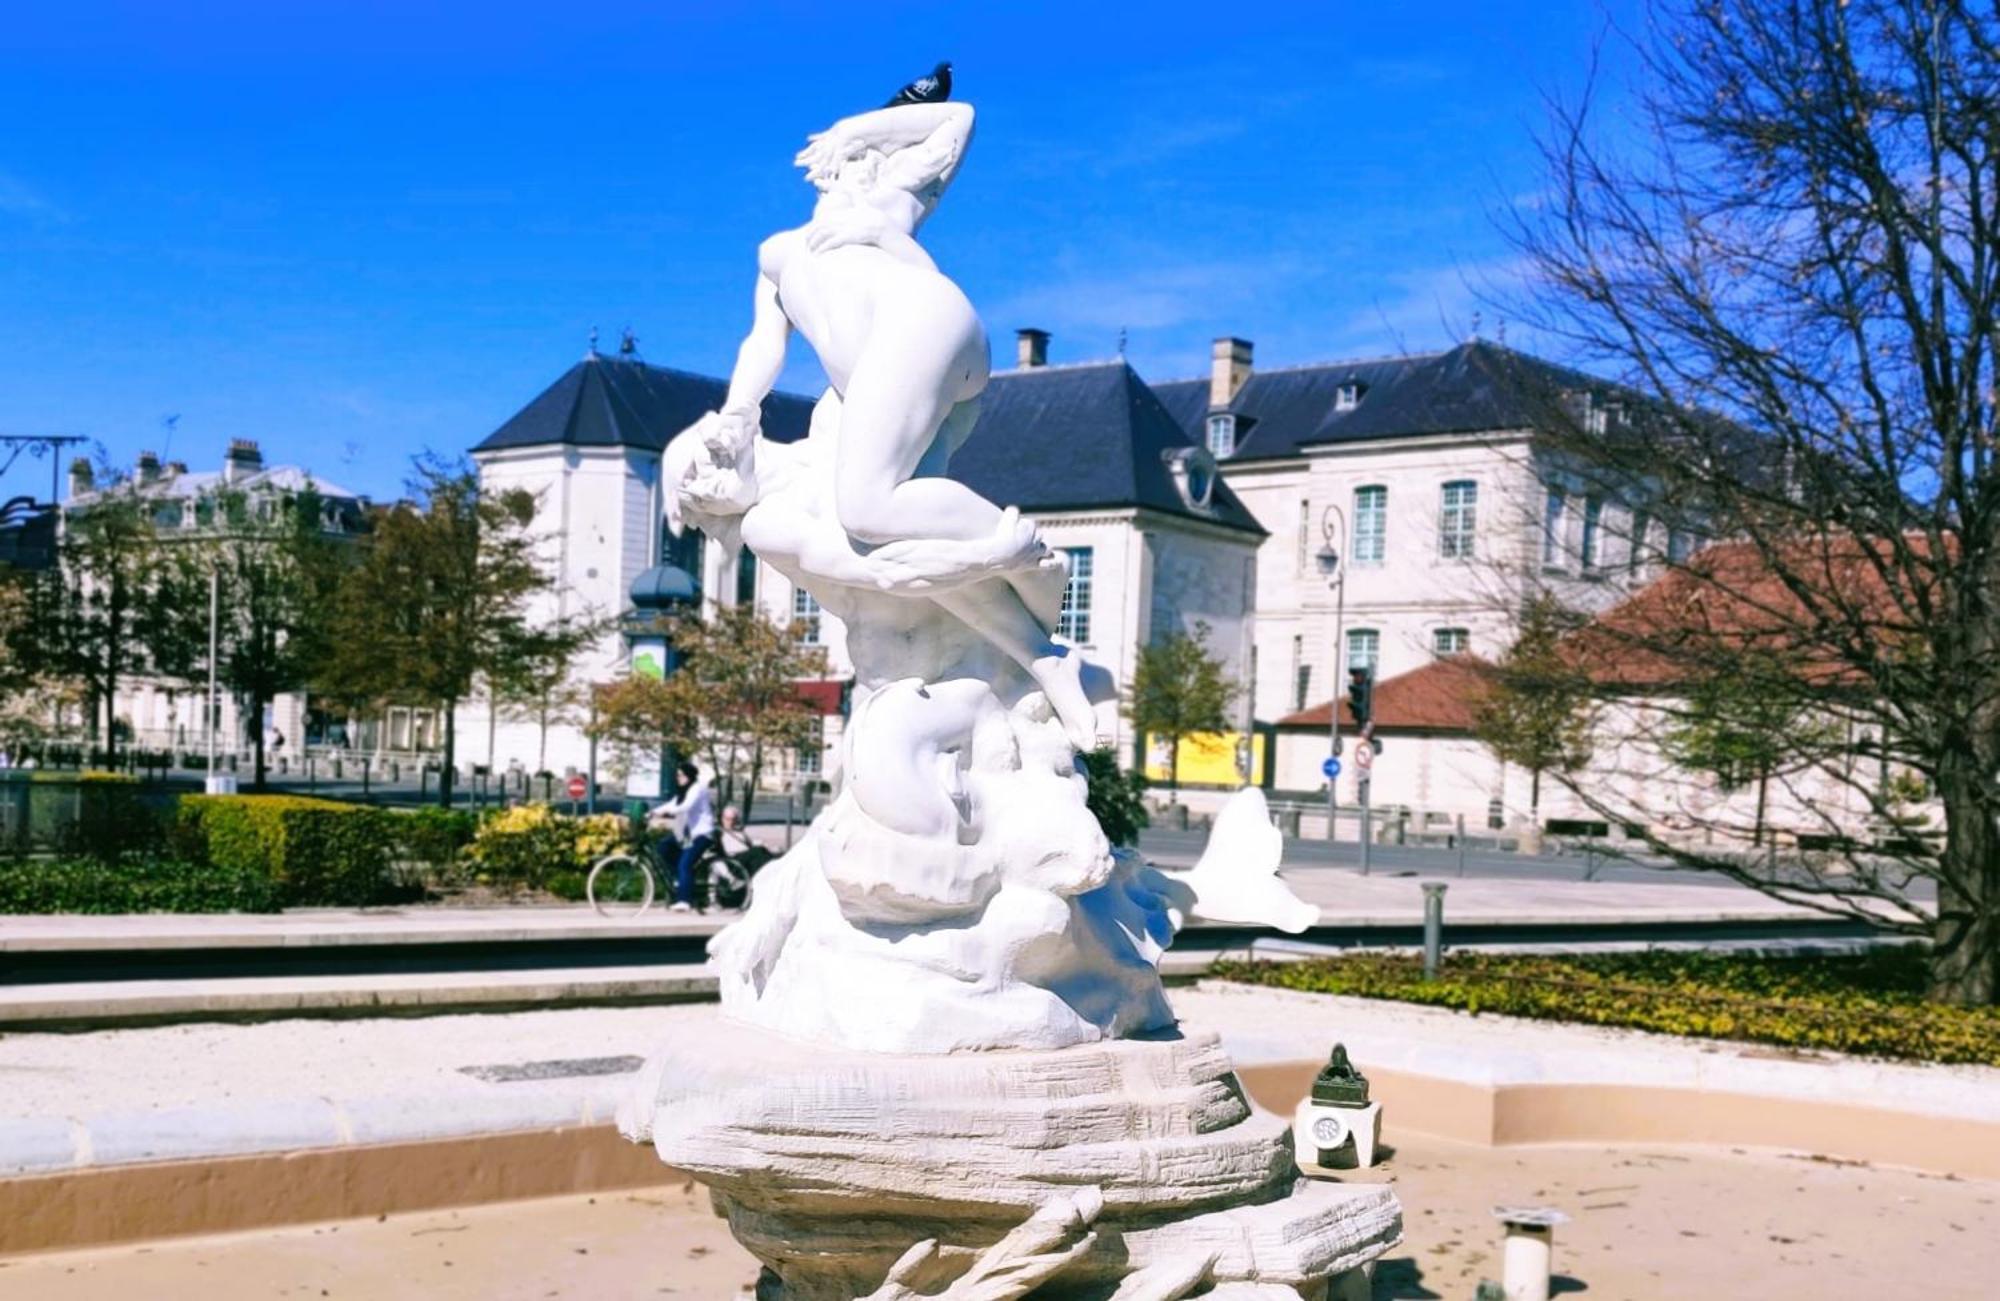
1647	1223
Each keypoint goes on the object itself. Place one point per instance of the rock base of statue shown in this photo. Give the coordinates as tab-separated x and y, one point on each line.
1151	1172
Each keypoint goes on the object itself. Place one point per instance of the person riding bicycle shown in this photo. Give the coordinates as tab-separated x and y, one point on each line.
693	811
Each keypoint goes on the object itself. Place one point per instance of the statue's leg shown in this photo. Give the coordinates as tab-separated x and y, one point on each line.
993	609
898	398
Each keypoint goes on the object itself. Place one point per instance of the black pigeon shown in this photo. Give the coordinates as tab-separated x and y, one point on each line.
933	89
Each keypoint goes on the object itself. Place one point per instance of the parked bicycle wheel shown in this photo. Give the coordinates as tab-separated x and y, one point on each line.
620	885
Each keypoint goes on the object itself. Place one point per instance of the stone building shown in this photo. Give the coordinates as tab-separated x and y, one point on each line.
1155	539
166	714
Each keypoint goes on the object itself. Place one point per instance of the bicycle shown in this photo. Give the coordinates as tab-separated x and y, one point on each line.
624	884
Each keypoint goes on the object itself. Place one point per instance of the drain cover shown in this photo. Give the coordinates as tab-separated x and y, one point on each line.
562	1068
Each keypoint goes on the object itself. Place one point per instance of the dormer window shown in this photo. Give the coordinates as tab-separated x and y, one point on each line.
1348	395
1193	469
1221	434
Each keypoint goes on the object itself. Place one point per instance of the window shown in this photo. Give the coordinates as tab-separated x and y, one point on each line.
746	576
1305	534
684	553
1450	641
1347	396
1301	673
1596	415
1221	434
1457	520
1642	524
805	613
1074	621
1680	545
1593	526
1554	506
1364	646
808	755
1371	524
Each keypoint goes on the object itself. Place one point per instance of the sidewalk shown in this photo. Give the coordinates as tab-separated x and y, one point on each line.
1344	899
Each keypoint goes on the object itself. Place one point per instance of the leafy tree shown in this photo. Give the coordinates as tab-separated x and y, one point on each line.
277	573
1744	732
1116	797
101	601
1178	688
1534	712
540	686
1792	265
438	600
734	697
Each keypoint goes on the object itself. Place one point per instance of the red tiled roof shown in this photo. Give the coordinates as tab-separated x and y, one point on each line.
1729	601
822	696
1442	696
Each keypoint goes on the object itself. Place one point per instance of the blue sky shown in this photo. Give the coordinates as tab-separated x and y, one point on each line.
355	231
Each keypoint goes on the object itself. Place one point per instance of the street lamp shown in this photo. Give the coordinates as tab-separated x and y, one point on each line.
1333	528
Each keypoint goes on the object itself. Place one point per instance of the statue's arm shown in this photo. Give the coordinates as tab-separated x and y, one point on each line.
762	354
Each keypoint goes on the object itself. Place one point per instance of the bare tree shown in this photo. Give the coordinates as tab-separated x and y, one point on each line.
1795	259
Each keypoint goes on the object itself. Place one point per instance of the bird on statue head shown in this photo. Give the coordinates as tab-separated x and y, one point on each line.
933	89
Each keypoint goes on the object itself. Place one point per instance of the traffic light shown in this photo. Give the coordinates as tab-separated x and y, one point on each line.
1360	695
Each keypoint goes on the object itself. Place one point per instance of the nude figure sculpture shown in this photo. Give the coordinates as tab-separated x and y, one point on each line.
957	892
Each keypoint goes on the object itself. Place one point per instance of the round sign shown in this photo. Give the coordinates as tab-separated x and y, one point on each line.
577	787
1364	755
1330	768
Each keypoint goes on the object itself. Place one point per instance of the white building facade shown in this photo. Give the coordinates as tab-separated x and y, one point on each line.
1155	541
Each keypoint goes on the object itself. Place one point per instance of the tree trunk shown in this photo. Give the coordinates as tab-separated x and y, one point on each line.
450	767
1965	948
542	737
1763	792
1174	768
1535	797
257	741
756	775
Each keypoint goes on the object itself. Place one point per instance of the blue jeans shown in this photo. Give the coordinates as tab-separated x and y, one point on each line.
684	869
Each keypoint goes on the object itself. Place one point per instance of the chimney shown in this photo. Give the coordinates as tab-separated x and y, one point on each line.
81	480
242	460
1031	349
174	468
148	469
1229	371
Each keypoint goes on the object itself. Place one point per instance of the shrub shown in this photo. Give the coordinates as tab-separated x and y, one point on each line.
432	835
84	885
1871	1003
316	851
1116	797
530	844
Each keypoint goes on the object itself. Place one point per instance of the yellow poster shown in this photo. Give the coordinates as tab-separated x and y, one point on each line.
1210	759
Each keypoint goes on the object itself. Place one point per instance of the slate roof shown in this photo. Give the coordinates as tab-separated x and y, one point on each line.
202	483
1052	438
1473	387
1080	437
614	402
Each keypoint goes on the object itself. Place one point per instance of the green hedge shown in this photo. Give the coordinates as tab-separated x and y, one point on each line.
147	885
315	851
1870	1003
433	836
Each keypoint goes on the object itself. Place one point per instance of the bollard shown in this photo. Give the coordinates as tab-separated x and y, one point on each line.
1367	835
1461	844
790	797
1433	927
365	765
1527	1250
312	777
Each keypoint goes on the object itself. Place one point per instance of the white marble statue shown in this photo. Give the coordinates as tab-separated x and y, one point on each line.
944	1024
957	893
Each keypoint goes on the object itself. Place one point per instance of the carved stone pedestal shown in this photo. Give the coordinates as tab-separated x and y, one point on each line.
1138	1166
